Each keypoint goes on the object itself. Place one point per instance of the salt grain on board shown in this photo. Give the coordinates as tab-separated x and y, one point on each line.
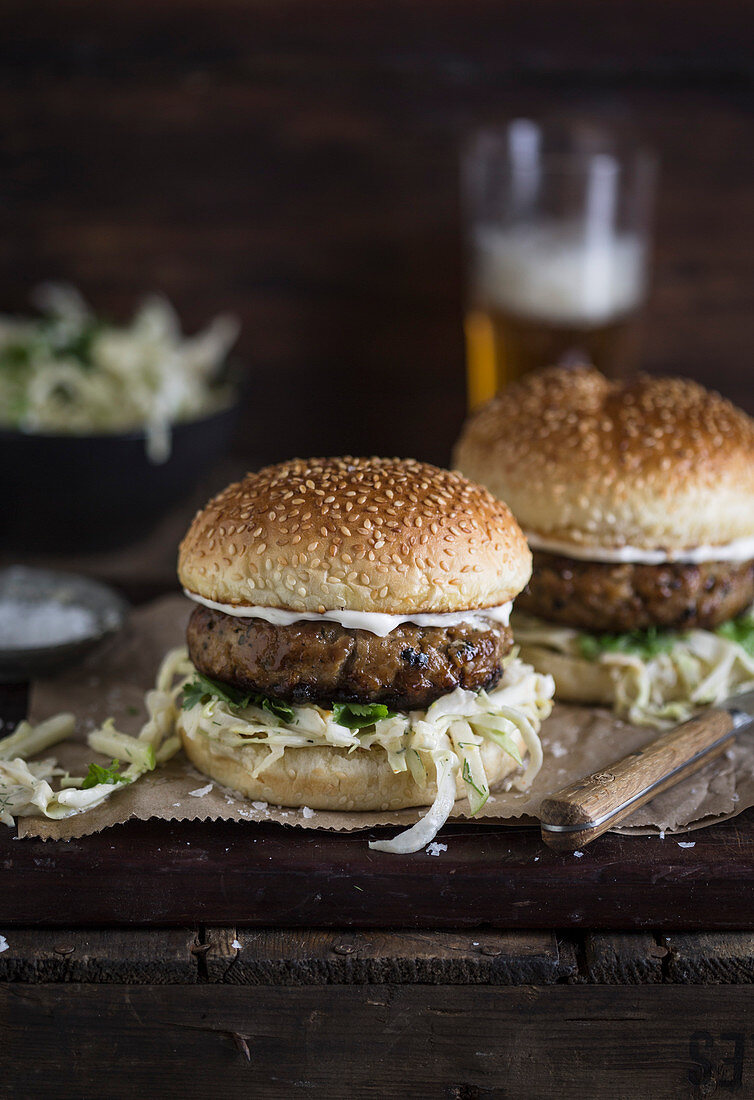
686	843
307	812
201	791
4	945
435	848
236	945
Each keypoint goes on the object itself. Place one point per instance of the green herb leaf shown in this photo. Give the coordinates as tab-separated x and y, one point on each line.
98	774
480	796
467	779
274	706
15	355
357	716
740	631
641	643
203	688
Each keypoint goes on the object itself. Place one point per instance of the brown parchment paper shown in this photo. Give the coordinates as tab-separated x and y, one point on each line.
576	740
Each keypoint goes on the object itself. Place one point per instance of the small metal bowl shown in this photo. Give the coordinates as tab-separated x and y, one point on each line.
79	613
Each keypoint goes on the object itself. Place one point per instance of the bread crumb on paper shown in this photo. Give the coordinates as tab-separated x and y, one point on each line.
201	791
435	848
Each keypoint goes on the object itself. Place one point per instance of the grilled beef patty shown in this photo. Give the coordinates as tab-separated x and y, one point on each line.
606	597
322	662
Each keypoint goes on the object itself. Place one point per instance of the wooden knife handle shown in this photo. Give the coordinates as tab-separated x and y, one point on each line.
592	805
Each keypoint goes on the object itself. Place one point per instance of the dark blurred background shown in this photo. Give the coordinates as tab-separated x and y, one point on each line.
295	162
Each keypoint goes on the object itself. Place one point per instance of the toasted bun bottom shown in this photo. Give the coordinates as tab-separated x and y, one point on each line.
576	680
328	778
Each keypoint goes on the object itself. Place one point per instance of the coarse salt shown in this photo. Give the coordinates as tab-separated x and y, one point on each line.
435	848
28	624
201	791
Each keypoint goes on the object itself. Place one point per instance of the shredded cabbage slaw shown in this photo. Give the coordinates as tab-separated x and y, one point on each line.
26	786
700	668
435	745
70	372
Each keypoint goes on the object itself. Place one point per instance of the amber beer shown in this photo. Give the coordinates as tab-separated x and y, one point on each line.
545	295
500	347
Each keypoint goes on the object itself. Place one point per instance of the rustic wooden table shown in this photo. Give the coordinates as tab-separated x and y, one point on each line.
125	974
195	1011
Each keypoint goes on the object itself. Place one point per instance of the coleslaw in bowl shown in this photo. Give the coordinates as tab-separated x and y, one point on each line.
69	371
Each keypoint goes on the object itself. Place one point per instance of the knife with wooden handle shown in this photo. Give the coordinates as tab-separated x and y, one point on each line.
584	810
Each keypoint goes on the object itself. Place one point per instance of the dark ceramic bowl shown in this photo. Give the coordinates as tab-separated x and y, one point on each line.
66	493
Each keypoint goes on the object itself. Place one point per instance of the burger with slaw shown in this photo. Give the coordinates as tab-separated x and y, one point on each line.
350	647
637	499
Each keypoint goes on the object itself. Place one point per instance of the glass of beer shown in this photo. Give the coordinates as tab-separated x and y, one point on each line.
557	220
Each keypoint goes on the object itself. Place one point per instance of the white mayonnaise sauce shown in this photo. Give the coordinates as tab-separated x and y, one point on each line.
739	550
375	623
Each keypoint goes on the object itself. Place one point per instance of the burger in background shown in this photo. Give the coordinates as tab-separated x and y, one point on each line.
637	499
350	648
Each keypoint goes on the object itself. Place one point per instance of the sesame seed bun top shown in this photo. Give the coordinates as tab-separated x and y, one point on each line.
365	534
651	462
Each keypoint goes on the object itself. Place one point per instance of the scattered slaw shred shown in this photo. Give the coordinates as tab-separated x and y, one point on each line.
69	371
26	785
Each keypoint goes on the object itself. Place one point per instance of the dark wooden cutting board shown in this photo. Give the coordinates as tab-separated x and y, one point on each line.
155	872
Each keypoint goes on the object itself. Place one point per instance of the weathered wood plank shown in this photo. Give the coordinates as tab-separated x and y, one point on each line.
146	956
711	957
373	1041
174	874
623	958
248	956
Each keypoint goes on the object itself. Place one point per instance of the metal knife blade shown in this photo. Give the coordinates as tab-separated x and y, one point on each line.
741	709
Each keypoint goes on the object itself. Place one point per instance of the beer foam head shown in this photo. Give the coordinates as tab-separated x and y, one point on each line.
649	462
558	273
